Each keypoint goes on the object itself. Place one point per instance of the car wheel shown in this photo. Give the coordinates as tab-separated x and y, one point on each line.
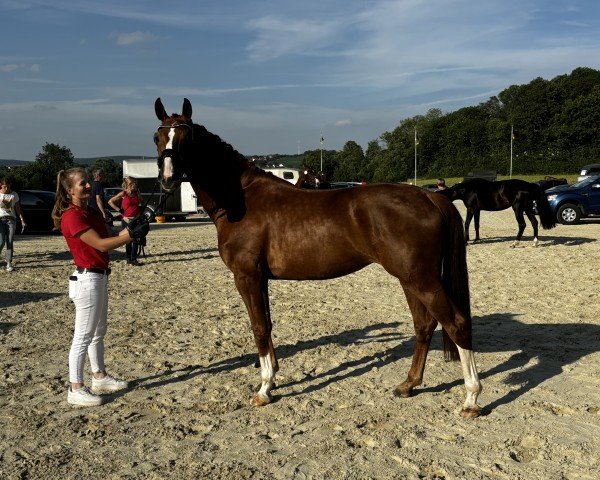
568	214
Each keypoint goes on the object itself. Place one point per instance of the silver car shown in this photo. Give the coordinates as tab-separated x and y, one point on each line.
588	171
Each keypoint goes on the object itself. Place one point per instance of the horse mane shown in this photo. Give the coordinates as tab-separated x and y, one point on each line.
218	170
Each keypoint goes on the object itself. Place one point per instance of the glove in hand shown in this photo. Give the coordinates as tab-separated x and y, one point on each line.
138	227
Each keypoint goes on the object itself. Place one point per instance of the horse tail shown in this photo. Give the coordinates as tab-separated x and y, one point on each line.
455	276
543	208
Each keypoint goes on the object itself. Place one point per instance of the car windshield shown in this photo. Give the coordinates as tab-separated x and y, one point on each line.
48	197
586	181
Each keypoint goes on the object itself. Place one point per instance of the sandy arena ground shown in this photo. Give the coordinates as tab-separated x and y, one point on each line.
180	333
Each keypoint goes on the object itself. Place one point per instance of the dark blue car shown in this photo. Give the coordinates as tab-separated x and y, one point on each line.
570	203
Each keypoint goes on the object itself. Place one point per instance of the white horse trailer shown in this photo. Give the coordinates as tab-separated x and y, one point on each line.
177	206
290	174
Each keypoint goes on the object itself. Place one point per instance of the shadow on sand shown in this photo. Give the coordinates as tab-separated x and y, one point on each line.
552	347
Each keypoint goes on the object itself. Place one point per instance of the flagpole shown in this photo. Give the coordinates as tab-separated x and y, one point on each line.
321	142
415	157
512	136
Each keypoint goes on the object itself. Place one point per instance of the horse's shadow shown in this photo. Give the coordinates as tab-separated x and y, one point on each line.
545	241
21	298
540	353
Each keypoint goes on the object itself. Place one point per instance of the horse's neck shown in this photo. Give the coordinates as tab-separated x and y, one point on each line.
218	175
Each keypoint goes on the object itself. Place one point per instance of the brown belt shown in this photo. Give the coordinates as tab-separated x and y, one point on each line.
93	270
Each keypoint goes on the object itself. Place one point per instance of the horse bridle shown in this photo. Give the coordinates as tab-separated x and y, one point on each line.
167	152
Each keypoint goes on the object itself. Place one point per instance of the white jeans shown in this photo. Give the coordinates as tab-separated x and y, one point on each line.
89	293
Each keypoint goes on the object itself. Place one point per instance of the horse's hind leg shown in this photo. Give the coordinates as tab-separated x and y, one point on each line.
534	223
424	327
458	328
521	221
476	216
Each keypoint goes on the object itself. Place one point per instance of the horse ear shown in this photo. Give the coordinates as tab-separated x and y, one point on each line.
187	109
160	110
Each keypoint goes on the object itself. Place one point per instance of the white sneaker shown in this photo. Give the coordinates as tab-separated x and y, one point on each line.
108	384
84	397
9	267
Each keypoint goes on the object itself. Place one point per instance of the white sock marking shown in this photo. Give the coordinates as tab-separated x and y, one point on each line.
472	384
267	375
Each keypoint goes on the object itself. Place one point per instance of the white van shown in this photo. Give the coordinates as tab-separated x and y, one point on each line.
290	174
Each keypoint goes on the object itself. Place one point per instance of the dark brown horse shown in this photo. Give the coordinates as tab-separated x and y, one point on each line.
262	224
307	179
524	197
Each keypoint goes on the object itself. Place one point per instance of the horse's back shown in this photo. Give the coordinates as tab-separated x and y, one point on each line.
328	233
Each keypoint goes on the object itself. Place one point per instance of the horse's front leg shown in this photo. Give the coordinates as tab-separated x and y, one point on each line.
251	287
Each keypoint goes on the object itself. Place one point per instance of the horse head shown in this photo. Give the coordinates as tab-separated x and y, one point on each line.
173	141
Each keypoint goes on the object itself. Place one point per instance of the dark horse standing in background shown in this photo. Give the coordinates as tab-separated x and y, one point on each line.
309	179
480	194
262	223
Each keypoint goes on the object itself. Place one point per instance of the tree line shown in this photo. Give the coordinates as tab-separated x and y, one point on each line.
555	125
41	173
554	122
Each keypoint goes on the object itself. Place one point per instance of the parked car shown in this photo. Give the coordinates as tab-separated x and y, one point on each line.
570	203
430	187
37	208
110	192
588	171
345	184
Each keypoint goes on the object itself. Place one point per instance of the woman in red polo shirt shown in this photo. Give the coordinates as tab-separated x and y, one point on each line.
130	199
89	241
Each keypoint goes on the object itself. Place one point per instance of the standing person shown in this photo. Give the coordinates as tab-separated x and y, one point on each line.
96	200
441	184
9	207
89	241
131	199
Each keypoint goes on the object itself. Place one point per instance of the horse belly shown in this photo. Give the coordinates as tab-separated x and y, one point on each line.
314	259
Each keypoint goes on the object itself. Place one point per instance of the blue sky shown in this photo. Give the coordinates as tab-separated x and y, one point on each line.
268	76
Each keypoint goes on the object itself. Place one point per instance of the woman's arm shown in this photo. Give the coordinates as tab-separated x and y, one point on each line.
113	200
19	211
91	237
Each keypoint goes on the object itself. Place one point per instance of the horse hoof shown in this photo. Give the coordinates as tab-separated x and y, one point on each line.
403	392
260	400
470	412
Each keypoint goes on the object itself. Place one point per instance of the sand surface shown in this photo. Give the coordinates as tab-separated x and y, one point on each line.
179	331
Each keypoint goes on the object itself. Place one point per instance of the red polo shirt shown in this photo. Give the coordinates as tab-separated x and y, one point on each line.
73	222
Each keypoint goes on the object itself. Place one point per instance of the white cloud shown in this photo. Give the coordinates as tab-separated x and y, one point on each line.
35	68
11	67
342	123
133	37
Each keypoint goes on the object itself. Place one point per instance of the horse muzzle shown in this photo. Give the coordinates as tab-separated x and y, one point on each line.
168	176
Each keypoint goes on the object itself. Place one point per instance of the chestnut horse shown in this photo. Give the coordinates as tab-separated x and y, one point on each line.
524	197
262	223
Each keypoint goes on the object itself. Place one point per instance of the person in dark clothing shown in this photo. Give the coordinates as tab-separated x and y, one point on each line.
96	200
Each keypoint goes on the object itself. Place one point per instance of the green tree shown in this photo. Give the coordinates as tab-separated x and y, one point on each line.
41	174
312	159
351	163
113	171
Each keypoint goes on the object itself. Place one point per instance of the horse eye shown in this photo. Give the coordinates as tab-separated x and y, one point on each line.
156	138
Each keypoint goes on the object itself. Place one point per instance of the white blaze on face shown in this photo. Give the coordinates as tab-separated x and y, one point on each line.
167	161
